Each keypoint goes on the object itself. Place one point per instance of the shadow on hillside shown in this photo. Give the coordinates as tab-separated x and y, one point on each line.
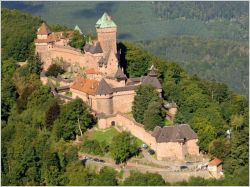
125	36
123	63
99	9
24	6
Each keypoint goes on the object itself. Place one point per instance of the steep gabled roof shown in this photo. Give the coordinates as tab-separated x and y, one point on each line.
78	29
120	75
103	88
215	162
152	71
43	30
153	81
93	48
105	22
88	86
176	133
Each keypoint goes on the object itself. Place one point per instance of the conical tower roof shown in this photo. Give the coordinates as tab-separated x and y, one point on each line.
120	75
43	29
105	22
152	71
103	88
78	29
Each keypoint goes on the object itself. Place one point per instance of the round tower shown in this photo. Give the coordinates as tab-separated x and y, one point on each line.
106	33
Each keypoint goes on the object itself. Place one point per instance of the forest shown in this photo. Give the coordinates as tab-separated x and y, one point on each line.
38	131
162	27
210	59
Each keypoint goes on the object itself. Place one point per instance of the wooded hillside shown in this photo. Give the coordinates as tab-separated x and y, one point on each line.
213	25
36	147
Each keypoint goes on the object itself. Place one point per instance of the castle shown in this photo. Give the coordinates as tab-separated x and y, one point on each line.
108	91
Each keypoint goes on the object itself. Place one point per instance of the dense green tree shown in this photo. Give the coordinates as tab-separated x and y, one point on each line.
205	131
237	121
217	91
8	91
154	115
74	119
144	95
211	114
106	177
51	169
137	61
148	179
123	146
77	174
77	40
19	30
52	114
54	70
219	148
34	63
25	84
91	147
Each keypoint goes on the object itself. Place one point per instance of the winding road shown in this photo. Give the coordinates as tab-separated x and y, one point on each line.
167	173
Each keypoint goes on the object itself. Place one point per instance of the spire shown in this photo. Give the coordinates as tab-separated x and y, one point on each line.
78	29
43	30
120	75
105	22
152	71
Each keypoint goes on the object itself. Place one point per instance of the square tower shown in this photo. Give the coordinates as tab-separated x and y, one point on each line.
106	33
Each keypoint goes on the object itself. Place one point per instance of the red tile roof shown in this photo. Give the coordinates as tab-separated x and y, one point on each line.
43	30
215	162
54	36
88	86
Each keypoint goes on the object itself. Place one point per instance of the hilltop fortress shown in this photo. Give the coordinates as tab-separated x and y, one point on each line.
107	90
99	55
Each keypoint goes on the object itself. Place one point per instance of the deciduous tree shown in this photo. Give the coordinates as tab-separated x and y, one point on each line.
123	147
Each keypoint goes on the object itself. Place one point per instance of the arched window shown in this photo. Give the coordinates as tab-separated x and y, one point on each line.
112	123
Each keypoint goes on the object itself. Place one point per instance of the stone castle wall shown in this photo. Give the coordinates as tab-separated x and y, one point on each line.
169	150
123	101
105	104
49	52
108	104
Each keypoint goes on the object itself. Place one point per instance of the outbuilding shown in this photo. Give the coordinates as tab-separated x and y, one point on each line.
215	167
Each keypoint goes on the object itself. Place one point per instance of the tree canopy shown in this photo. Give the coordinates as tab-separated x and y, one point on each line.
123	147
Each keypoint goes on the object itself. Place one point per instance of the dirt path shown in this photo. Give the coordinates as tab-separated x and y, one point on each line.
168	174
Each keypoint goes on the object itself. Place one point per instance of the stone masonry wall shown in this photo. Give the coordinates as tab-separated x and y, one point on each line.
122	101
47	53
169	150
192	147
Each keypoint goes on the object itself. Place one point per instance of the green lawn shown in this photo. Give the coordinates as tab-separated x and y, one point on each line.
107	135
103	135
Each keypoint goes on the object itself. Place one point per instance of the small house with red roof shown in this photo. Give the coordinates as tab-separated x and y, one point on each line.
215	167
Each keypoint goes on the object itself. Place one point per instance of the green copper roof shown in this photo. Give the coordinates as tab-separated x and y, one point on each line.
78	29
105	22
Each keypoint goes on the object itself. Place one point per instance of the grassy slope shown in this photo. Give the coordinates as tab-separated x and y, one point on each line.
139	23
106	135
103	135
